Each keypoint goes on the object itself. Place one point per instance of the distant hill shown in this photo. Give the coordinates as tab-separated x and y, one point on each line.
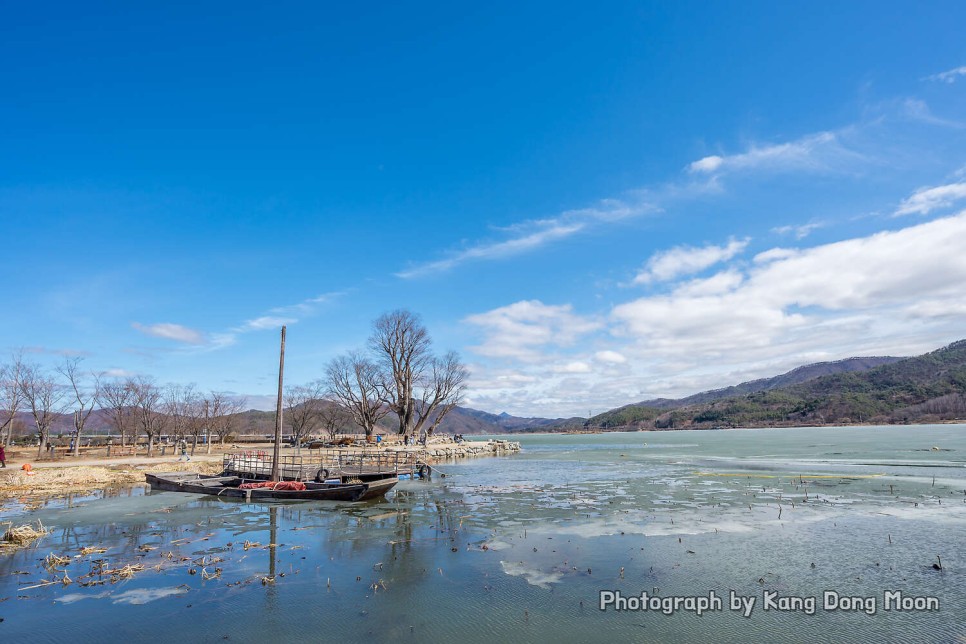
927	388
645	412
500	423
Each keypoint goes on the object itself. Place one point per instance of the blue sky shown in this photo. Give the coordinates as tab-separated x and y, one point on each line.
594	204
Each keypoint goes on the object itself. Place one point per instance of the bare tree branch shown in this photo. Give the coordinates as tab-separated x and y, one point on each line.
117	397
45	398
85	398
10	395
354	381
304	404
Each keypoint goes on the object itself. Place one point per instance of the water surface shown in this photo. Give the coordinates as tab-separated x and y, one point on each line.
518	548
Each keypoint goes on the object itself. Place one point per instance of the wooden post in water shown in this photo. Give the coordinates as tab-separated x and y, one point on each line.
278	412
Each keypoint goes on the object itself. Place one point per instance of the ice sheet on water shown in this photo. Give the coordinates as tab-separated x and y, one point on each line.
533	576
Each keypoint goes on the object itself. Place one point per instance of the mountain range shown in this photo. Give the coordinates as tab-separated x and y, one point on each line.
868	390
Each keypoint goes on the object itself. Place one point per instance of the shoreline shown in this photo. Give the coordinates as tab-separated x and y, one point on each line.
53	478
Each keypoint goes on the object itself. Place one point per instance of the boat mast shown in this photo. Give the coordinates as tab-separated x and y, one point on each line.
278	411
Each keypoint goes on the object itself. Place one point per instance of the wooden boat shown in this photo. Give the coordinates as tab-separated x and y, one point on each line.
228	487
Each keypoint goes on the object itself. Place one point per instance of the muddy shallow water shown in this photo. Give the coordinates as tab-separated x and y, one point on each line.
520	549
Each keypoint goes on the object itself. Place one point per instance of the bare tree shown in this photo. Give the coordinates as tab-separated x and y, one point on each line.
146	399
416	385
178	404
333	417
443	391
402	346
225	419
197	426
10	395
353	380
85	397
44	396
304	404
117	397
211	410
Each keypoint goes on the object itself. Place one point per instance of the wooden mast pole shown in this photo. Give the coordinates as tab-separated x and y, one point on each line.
278	412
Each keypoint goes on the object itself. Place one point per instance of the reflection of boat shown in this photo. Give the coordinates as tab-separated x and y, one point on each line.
229	487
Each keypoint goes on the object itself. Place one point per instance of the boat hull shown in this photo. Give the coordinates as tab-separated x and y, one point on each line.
227	487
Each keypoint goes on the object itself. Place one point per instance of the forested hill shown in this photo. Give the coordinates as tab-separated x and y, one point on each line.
926	388
795	376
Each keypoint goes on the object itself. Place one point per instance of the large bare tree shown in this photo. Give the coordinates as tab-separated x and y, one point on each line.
401	345
117	397
354	381
146	399
84	386
417	385
45	398
10	395
304	404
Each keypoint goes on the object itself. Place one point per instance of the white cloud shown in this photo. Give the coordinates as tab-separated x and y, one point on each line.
524	330
686	260
799	232
918	110
575	366
891	293
801	297
531	235
612	357
925	200
723	282
707	164
815	152
950	75
266	322
117	373
497	250
170	331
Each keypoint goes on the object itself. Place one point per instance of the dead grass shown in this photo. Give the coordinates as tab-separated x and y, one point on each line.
22	535
58	481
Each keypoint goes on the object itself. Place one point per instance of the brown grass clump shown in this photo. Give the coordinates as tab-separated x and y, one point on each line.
22	535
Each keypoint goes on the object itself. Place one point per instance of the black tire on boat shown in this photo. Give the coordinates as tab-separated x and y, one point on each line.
321	475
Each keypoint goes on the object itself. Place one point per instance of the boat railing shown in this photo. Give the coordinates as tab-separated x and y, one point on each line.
333	462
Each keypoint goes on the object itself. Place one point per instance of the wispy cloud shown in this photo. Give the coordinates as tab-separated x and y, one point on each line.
170	331
686	260
949	76
816	152
533	234
925	200
918	110
276	318
800	231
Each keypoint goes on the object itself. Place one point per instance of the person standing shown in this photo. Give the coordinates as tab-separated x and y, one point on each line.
3	456
183	444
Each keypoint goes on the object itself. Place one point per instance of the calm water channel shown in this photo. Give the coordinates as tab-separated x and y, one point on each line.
519	549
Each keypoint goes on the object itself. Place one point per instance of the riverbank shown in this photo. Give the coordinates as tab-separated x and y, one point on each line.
66	475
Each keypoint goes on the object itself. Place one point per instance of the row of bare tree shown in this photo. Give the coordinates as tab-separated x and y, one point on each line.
137	406
397	372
